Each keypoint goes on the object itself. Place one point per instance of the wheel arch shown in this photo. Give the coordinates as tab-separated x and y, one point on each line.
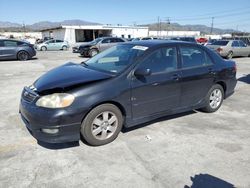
115	103
22	51
223	85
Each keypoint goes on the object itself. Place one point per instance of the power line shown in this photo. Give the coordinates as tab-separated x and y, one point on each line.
214	13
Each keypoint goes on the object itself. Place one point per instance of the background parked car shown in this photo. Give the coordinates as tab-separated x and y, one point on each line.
97	45
53	45
210	41
14	49
187	39
202	40
230	48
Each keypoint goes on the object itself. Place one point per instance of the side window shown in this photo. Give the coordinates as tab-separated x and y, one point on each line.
1	43
9	43
235	44
106	41
119	40
21	44
194	57
58	41
113	40
161	60
242	44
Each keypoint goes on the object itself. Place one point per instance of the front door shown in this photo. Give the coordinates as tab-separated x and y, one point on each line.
105	44
159	91
8	49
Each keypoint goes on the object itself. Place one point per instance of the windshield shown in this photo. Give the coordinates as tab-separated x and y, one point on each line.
117	58
95	41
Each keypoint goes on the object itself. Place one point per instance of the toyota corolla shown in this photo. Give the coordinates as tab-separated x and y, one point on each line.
124	86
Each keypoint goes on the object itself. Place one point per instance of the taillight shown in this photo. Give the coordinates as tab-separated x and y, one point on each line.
219	49
235	67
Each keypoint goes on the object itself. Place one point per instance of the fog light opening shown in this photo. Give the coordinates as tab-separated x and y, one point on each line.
50	131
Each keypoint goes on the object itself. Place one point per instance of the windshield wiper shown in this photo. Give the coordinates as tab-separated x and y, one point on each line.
85	64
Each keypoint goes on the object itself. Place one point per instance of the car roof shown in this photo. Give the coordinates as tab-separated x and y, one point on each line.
14	40
151	43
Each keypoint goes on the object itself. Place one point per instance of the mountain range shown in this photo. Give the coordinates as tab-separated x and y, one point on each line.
9	26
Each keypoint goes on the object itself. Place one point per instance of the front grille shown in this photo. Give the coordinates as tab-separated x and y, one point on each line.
29	95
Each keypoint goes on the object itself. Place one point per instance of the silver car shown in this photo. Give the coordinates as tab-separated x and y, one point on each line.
53	45
230	48
97	45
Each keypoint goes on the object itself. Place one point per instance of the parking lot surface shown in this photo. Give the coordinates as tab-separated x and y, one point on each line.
192	148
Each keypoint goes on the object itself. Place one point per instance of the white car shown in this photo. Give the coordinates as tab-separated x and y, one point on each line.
53	45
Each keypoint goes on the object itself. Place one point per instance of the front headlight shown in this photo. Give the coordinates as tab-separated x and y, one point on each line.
56	100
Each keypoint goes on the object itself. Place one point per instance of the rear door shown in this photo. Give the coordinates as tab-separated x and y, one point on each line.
58	44
160	91
245	51
236	48
197	74
51	45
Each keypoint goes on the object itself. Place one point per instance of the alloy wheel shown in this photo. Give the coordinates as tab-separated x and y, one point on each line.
215	98
104	125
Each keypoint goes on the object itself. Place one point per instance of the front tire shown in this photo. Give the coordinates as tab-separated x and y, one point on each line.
214	99
23	56
43	48
102	125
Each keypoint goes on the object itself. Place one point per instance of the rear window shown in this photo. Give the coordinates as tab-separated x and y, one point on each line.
221	43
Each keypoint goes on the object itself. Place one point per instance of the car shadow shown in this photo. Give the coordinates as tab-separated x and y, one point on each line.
57	146
165	118
9	60
208	181
245	78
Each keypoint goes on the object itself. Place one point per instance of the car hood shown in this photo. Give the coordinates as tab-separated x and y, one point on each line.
67	76
86	45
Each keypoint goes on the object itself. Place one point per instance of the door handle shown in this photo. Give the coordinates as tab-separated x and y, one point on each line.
175	77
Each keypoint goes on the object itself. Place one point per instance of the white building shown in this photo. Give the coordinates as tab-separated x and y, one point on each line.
86	33
174	33
21	35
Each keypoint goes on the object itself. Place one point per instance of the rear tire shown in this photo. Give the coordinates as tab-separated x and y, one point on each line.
93	52
64	48
214	98
230	55
102	125
23	56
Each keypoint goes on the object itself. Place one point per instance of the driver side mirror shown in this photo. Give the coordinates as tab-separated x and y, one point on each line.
142	72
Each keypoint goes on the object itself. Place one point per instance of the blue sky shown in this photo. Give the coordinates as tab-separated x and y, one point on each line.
227	14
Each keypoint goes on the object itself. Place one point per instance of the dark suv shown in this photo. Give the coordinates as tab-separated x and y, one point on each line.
97	45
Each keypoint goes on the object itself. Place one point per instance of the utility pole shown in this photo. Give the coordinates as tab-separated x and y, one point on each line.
160	28
158	25
168	23
212	25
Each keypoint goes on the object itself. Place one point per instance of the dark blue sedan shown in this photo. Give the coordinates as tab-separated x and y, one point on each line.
126	85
